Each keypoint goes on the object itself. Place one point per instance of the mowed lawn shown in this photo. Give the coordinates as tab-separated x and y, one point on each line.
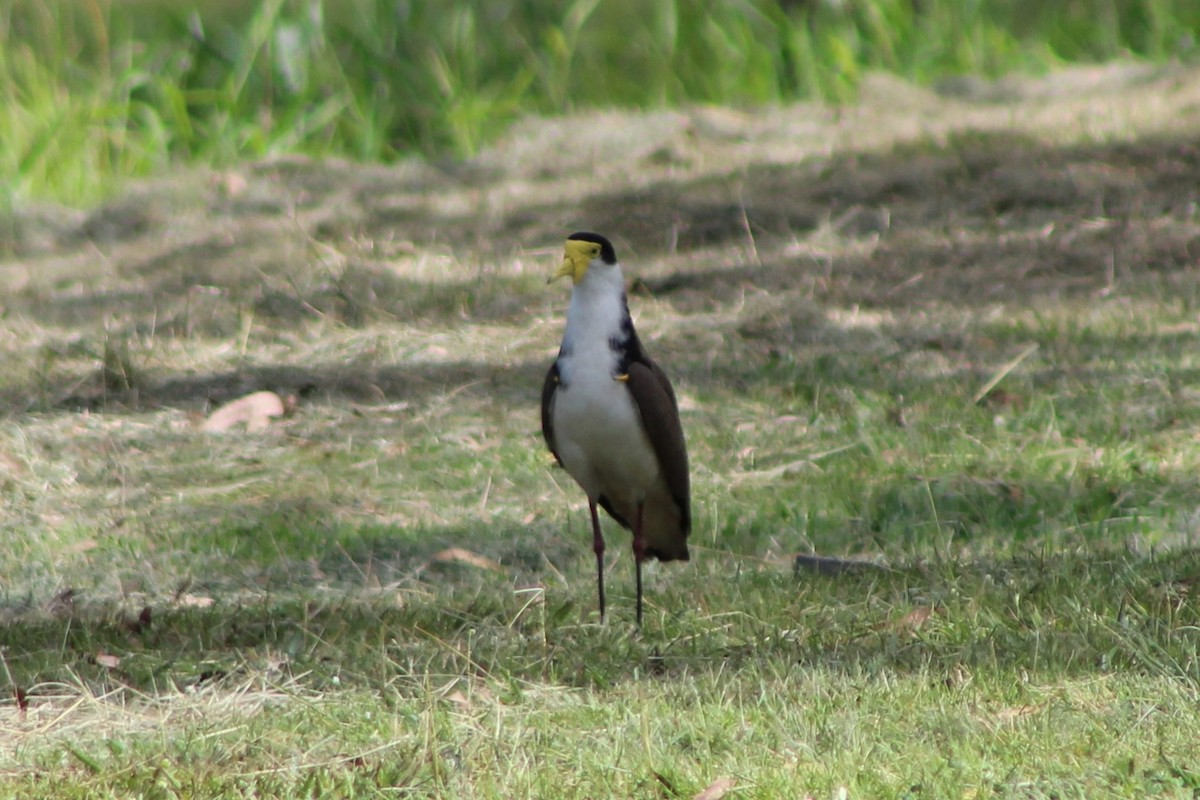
950	346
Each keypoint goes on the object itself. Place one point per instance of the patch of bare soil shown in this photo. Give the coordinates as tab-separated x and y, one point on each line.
1057	189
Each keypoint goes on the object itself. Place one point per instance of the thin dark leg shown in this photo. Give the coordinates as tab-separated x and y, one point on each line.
598	547
639	555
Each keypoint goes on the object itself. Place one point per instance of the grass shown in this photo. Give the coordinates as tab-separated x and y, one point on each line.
989	398
93	93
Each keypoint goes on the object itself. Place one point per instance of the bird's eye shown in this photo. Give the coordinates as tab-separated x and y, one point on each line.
595	251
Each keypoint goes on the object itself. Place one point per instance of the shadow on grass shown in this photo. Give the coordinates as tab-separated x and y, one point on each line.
979	220
797	352
289	552
975	223
1074	615
986	181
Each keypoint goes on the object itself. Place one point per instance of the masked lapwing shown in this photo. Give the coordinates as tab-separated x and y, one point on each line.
610	417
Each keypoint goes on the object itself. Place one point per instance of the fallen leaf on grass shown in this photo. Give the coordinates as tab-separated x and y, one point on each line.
1014	713
716	790
457	555
910	622
194	601
255	410
915	618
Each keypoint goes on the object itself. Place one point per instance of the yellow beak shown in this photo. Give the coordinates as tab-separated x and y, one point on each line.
575	262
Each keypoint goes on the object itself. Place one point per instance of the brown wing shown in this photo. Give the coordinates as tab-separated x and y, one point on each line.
549	388
655	400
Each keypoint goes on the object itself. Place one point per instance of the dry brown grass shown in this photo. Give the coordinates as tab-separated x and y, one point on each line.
819	281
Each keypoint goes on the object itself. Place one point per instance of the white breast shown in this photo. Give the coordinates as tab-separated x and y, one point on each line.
600	439
597	428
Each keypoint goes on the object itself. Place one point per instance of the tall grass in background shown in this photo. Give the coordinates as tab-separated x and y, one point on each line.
92	91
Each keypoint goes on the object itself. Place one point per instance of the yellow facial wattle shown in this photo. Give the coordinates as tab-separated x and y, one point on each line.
576	258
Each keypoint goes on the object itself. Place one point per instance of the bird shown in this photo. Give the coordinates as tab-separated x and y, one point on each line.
610	417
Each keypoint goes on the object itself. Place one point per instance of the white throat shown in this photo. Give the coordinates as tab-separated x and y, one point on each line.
594	317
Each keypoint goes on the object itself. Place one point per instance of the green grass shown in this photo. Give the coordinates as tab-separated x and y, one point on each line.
93	93
966	357
282	615
1068	675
